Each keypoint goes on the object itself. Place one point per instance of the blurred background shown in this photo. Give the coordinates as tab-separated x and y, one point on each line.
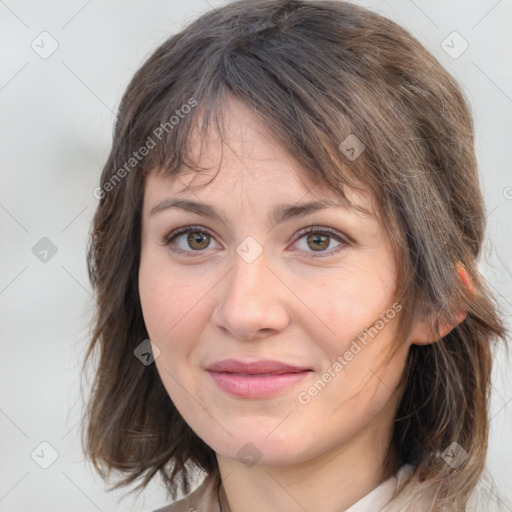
64	67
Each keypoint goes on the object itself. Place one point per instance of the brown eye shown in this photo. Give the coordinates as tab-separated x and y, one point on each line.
318	242
189	241
193	240
198	240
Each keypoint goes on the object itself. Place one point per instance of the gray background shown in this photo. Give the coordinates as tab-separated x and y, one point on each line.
56	117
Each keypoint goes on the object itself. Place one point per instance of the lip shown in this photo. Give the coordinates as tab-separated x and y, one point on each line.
257	379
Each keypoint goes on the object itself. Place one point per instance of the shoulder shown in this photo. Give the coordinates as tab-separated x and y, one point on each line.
382	494
204	499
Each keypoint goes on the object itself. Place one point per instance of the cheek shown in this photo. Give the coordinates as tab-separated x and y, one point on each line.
171	314
353	334
346	306
169	299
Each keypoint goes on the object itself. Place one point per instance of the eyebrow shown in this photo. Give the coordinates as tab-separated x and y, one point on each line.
281	212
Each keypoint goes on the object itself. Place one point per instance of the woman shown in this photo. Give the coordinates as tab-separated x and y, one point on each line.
291	214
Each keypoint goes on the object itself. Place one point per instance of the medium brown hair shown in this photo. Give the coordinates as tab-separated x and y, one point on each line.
315	72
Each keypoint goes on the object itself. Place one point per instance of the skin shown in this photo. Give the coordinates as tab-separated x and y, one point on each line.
286	305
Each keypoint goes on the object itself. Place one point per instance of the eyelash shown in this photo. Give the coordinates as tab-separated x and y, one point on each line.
306	231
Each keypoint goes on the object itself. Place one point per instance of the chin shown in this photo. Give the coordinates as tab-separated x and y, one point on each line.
257	447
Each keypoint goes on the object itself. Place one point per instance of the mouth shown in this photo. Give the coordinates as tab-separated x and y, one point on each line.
257	379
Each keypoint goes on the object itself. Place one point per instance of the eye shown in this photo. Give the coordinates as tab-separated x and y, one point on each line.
198	239
319	239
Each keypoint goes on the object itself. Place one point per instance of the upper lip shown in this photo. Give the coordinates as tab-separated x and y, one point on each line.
254	368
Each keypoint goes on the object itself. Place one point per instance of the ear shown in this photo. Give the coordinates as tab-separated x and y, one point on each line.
419	334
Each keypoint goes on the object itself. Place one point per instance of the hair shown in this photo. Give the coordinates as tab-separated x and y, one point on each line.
314	72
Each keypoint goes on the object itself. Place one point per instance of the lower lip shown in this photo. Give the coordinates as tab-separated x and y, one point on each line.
256	386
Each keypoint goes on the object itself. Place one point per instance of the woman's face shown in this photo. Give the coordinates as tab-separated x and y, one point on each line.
268	279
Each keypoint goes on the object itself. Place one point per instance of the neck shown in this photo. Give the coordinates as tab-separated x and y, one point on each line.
337	478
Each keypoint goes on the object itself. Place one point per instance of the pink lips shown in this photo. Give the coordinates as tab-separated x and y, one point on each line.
257	379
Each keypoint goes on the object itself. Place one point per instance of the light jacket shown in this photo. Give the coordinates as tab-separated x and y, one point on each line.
206	497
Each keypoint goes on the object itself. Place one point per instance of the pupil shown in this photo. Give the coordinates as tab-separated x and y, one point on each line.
321	241
317	239
199	238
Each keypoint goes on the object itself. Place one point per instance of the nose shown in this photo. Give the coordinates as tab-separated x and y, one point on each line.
252	302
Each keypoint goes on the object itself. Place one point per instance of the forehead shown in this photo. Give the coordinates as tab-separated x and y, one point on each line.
246	157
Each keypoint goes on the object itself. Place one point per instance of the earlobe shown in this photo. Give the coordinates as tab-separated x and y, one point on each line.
446	327
420	333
